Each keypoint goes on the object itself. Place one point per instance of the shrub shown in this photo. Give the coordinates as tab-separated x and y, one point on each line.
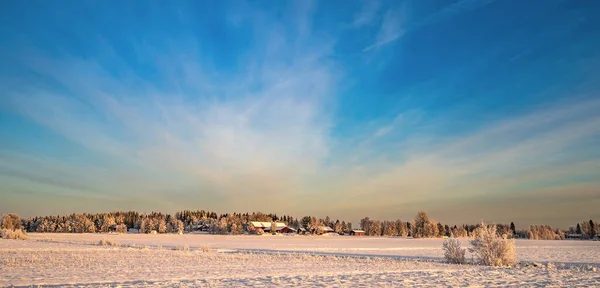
13	234
105	242
453	253
182	248
205	248
11	222
259	231
492	249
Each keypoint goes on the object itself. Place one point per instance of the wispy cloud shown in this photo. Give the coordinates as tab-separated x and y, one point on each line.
390	30
367	15
394	24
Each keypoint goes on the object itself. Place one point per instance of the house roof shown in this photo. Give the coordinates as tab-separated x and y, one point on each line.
327	229
266	224
358	230
256	224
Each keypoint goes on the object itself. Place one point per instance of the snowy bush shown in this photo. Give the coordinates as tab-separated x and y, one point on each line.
453	253
491	249
13	234
205	248
182	248
106	242
11	222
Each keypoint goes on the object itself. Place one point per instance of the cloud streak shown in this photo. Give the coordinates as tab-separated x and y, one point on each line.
394	26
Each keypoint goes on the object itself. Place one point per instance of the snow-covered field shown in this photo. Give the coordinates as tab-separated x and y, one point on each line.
279	261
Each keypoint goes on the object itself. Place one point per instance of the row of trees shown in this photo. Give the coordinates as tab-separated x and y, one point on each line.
237	223
147	223
424	227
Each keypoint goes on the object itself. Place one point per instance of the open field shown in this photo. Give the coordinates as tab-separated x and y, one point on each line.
276	261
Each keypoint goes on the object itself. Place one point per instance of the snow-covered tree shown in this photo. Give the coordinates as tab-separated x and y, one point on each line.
273	228
376	228
441	230
421	227
161	226
11	221
107	222
147	225
402	228
338	227
365	225
315	226
389	228
236	229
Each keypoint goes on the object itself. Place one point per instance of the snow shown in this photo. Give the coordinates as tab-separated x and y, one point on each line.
279	261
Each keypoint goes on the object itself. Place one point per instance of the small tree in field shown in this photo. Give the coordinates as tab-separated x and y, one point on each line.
492	249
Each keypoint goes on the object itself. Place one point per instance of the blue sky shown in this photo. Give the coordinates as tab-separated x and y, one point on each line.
471	110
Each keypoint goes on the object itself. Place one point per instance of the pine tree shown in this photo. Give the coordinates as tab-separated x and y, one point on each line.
513	228
365	225
578	229
592	229
306	222
441	230
327	221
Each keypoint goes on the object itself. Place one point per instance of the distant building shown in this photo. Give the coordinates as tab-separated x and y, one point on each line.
574	236
266	227
357	232
327	229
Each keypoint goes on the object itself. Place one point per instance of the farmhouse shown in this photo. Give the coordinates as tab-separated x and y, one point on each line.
357	232
266	227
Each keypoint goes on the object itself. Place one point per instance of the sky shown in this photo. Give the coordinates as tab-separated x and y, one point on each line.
467	109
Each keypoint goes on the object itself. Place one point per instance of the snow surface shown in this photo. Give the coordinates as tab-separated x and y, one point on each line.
279	261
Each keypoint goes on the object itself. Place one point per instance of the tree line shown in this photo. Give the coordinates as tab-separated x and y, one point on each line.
421	226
